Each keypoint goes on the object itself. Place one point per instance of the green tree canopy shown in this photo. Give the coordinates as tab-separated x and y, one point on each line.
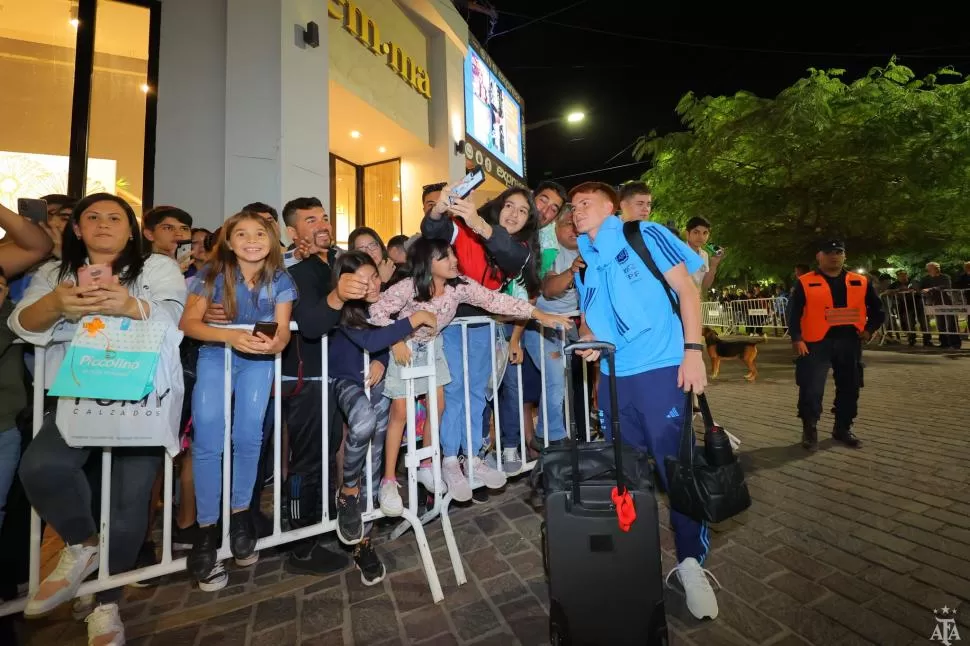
883	162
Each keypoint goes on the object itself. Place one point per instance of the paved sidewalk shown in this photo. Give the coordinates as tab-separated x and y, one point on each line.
839	547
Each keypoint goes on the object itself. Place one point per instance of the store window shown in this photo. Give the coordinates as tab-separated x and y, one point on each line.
365	196
119	92
344	209
382	198
78	108
37	52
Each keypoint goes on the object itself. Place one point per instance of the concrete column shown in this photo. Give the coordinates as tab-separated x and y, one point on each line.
242	105
276	103
190	144
446	113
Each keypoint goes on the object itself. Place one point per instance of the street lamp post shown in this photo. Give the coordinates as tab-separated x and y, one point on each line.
571	118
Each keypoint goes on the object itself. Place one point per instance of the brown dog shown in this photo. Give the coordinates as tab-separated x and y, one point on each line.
746	350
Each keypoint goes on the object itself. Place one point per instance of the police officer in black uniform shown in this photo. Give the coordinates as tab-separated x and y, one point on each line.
832	313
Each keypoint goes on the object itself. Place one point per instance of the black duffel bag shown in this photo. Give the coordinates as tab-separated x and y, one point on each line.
595	462
705	483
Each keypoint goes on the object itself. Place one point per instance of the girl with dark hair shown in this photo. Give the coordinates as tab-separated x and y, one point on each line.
493	245
365	413
102	231
369	241
435	286
246	277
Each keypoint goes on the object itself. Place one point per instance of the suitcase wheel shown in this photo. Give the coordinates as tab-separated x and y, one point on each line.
557	636
558	627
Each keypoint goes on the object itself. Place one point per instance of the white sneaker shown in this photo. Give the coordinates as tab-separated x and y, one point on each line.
105	627
426	478
391	503
82	606
700	595
216	579
455	480
511	461
77	563
491	478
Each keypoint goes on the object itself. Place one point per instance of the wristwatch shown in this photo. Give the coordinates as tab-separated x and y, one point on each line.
694	346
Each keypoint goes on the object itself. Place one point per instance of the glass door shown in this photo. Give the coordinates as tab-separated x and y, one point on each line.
382	198
365	196
344	209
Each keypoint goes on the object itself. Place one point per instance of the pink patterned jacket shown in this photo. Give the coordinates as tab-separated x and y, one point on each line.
399	299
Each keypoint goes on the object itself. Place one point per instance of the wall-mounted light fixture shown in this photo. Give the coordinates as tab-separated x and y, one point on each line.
460	147
311	34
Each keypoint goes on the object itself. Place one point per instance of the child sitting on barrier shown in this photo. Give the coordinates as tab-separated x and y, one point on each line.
247	257
434	286
365	412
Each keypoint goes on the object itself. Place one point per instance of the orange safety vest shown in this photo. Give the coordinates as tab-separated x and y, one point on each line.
820	313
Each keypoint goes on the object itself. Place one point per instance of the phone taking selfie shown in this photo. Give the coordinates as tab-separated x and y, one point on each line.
93	274
183	251
471	181
266	327
33	210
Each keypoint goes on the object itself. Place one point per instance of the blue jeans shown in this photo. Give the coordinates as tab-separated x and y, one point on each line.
252	380
453	422
550	358
9	459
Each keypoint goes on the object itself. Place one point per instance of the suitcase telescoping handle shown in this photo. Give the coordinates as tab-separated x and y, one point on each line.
607	350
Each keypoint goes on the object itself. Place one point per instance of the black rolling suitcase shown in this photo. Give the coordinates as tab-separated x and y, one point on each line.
605	584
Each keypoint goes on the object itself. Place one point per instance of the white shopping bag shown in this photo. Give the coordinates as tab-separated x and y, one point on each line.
152	421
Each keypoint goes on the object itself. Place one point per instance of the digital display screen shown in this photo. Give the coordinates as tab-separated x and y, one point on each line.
493	117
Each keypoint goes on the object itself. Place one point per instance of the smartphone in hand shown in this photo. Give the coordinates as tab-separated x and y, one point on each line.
93	275
471	181
33	210
183	251
266	327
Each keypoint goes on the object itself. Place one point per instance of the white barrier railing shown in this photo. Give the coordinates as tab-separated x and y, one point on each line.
944	312
749	316
413	459
526	465
169	565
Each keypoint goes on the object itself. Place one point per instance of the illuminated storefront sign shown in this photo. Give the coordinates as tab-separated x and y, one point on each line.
480	156
362	27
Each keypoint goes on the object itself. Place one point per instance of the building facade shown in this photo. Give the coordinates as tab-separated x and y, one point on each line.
210	105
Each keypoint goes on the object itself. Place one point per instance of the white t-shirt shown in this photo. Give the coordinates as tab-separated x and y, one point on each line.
699	275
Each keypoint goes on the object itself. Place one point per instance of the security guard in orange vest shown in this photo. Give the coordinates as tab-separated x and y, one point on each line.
832	312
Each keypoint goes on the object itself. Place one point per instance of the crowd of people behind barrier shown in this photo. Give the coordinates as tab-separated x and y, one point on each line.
383	306
371	300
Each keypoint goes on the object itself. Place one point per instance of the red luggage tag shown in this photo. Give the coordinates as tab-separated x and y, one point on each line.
626	513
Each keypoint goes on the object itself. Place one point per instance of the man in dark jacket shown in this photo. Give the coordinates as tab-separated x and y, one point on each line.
316	312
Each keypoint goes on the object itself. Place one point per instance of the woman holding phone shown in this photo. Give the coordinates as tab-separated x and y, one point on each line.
493	245
247	256
101	242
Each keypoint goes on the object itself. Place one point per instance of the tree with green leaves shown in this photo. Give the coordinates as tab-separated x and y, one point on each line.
882	162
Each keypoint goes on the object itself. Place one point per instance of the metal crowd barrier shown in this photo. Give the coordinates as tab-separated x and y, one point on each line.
527	465
749	316
413	459
941	312
171	565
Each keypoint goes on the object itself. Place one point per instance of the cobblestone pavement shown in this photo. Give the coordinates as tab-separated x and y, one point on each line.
840	547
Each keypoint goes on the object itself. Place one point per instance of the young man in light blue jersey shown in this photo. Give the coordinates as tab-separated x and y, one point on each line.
658	359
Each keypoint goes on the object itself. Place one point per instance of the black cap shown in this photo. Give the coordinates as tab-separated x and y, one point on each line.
831	244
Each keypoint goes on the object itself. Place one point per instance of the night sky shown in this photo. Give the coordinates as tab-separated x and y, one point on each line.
629	80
